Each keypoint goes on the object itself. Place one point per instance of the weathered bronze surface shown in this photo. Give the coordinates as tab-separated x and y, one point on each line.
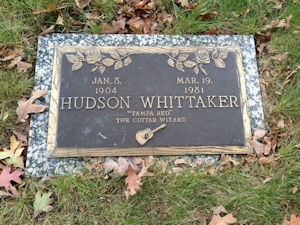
109	101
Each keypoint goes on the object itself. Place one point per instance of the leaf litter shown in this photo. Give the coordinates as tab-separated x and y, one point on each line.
26	107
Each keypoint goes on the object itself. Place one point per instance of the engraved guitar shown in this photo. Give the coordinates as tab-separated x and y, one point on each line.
143	136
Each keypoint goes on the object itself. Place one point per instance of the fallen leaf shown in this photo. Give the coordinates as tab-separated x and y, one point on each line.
145	166
133	181
136	25
218	210
225	220
267	179
42	203
294	220
211	31
270	161
246	12
268	146
187	5
114	169
13	155
261	48
281	57
5	194
258	147
108	29
207	15
59	20
177	169
278	5
13	53
280	124
180	162
225	159
249	159
25	107
48	30
21	66
94	15
6	177
196	163
210	170
21	137
288	19
275	24
202	219
137	160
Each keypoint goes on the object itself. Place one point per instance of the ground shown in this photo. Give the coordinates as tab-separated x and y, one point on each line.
166	198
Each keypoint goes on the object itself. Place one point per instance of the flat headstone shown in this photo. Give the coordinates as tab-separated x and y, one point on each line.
105	91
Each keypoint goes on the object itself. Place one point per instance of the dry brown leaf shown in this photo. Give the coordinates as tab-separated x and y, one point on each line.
21	137
294	220
94	15
145	166
267	179
115	169
288	19
210	170
218	210
196	163
22	66
27	107
211	31
270	161
281	124
268	146
281	57
202	219
187	5
260	48
275	24
48	30
258	147
177	169
13	53
278	5
132	181
108	29
246	12
225	159
136	25
180	162
225	220
207	16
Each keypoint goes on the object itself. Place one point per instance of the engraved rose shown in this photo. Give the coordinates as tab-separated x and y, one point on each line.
202	56
93	56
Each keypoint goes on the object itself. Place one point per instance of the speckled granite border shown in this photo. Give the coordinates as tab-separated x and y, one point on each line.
39	165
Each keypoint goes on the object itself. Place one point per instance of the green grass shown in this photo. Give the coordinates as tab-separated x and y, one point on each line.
165	198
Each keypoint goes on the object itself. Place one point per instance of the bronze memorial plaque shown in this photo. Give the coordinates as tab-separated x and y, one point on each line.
123	101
